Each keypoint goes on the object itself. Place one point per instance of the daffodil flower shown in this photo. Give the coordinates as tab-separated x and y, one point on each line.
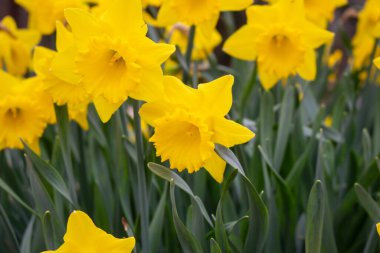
368	30
111	57
280	39
83	236
16	46
196	12
43	14
25	111
189	122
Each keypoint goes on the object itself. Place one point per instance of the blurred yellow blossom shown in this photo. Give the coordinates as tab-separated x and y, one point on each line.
368	30
377	62
204	43
44	13
111	57
281	40
320	12
16	46
196	12
334	58
25	111
189	122
83	236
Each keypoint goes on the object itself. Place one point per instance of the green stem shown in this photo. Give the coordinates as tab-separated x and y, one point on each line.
142	190
189	51
62	116
247	91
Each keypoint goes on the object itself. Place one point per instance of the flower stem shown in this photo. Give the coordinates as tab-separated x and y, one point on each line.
142	190
189	51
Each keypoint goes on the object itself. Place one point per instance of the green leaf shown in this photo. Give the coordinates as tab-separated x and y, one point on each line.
188	241
315	218
49	173
27	237
169	176
368	203
285	124
258	220
227	155
156	225
8	190
214	246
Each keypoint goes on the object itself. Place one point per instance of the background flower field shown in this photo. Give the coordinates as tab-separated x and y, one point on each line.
220	126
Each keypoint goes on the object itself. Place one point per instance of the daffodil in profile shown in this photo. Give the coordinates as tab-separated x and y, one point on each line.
281	40
196	12
83	236
111	57
25	111
16	46
44	13
62	92
204	43
368	30
189	122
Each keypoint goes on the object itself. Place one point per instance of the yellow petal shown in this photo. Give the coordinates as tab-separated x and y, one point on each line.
267	80
179	93
377	62
126	16
151	86
63	66
242	44
154	53
217	96
308	69
166	16
216	167
152	111
378	228
64	37
235	5
82	23
229	133
314	35
105	109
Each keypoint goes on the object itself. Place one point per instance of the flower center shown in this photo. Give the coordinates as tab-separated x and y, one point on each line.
196	11
13	113
184	140
109	69
281	51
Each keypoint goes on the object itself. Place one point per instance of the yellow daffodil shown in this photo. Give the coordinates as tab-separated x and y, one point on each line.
16	46
25	112
320	12
83	236
204	43
44	13
377	62
334	58
196	12
281	40
111	57
62	92
368	30
189	122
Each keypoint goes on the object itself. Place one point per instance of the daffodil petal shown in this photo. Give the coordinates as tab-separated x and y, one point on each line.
106	109
242	43
229	133
308	70
217	95
216	167
235	5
